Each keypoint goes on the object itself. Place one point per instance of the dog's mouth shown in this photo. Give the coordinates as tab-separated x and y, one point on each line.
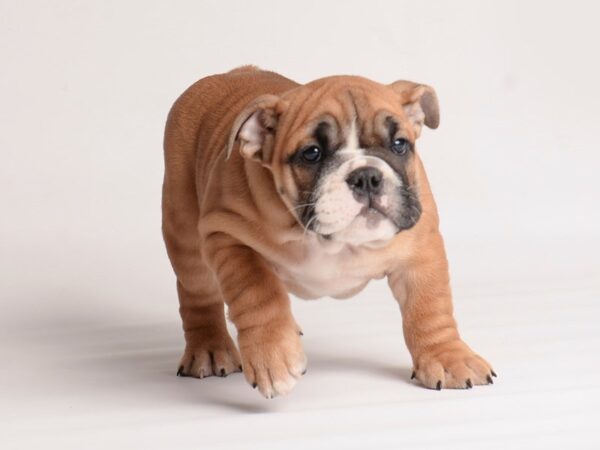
374	214
374	218
403	213
403	218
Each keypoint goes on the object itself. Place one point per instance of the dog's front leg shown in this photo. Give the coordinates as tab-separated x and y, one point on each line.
440	358
259	306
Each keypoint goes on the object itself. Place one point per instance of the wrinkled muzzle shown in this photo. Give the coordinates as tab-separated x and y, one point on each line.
360	200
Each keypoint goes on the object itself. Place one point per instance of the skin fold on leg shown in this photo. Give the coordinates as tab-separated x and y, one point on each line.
259	306
440	358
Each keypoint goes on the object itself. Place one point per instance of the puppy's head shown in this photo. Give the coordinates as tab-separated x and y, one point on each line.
342	153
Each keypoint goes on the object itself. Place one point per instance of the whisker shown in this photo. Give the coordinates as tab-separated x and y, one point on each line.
302	206
307	227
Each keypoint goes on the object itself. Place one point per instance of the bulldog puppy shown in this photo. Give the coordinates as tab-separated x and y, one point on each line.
272	187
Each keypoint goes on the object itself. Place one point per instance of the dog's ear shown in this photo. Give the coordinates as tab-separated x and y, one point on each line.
254	128
420	104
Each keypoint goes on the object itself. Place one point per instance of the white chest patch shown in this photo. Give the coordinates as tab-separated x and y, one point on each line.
331	269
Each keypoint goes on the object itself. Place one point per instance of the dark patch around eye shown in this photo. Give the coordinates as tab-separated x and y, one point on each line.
321	135
306	176
392	127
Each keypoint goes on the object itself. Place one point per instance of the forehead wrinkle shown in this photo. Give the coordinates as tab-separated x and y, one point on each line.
354	114
381	129
350	109
322	133
304	110
299	116
392	126
361	110
352	141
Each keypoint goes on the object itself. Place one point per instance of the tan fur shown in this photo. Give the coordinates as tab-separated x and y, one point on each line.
232	234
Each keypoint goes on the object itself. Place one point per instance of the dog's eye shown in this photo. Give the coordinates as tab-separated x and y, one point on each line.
400	146
311	154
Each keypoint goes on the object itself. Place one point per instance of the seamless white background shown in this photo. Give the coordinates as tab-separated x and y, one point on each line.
89	330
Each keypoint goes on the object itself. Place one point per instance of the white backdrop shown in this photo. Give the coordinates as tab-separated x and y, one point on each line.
84	92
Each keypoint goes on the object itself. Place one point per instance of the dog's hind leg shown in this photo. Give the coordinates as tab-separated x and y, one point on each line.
209	348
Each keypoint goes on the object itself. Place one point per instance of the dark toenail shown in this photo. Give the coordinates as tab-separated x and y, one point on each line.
300	333
180	371
489	379
413	375
469	383
254	385
223	372
494	374
438	386
304	371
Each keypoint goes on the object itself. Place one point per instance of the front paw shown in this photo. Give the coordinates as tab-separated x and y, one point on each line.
208	354
272	358
452	365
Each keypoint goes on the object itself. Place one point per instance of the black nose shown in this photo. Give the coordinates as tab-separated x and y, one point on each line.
365	181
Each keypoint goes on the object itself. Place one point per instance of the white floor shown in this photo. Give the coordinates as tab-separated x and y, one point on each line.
90	347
